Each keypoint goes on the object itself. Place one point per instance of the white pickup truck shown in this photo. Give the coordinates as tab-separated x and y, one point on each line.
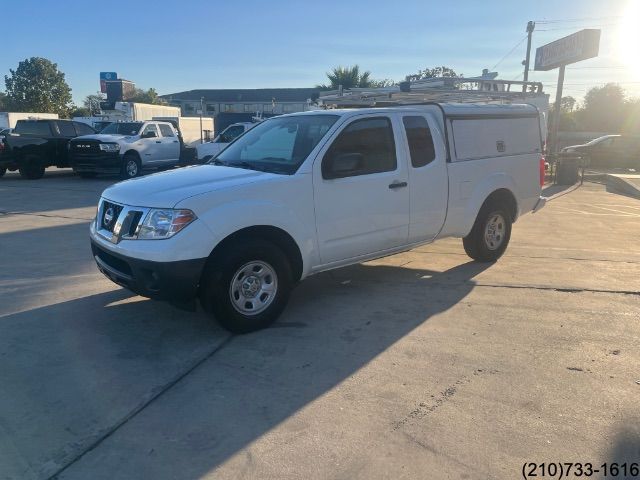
206	151
126	148
303	193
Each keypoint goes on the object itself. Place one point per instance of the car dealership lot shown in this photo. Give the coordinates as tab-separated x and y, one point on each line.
419	365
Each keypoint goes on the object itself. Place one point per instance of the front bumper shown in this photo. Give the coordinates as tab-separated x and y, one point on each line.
94	162
173	281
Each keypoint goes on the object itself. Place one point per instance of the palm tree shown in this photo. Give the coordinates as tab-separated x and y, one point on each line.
348	77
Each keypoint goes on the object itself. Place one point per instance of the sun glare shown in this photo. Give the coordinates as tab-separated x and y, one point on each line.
629	37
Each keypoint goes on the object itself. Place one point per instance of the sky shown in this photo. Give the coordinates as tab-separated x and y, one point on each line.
176	46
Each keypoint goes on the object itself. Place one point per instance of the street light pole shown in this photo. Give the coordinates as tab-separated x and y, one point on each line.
201	109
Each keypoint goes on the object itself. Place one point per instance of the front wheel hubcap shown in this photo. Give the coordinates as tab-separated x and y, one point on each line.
494	231
253	287
132	168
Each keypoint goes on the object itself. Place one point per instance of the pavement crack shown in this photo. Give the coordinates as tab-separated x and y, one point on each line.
133	413
560	289
33	214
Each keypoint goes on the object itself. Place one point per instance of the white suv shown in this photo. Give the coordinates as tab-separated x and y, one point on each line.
313	191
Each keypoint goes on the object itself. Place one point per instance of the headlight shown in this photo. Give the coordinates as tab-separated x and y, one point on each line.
164	223
109	147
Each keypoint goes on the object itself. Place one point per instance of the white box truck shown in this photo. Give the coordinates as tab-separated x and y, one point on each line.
9	119
140	112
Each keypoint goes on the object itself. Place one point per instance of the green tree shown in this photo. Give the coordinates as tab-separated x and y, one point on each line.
383	82
433	73
146	96
603	109
77	111
3	102
92	103
38	86
567	104
348	77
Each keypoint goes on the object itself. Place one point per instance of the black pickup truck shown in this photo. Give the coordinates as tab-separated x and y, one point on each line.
37	144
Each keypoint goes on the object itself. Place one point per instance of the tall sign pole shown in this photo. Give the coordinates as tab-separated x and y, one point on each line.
553	135
573	48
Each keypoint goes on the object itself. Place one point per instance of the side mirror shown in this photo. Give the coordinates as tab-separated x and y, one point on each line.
342	165
150	134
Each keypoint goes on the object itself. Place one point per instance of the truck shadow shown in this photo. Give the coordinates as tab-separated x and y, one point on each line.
626	449
336	324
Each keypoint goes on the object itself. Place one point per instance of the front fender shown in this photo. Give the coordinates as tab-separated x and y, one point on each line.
230	217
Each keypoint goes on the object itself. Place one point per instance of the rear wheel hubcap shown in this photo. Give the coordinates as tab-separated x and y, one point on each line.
494	231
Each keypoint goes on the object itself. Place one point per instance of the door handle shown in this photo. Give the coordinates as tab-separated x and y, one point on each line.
176	141
158	141
397	184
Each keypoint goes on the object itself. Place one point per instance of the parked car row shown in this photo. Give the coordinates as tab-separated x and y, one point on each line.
122	148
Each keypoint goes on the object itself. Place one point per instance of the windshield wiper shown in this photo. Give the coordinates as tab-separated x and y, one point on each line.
215	161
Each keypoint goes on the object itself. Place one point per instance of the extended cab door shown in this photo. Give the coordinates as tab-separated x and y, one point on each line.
170	151
361	190
428	178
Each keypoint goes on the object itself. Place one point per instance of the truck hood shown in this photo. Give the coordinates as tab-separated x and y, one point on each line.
166	189
102	138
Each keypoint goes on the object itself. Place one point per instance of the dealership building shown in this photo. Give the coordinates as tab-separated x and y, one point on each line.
266	101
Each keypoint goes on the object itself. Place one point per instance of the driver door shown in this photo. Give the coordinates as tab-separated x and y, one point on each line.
150	147
361	190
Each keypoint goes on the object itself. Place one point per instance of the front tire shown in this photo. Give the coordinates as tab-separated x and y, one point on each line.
246	287
490	234
131	166
2	171
31	167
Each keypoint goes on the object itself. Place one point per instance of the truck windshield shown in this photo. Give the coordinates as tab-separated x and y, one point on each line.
278	145
125	128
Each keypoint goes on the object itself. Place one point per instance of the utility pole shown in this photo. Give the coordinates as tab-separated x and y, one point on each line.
530	27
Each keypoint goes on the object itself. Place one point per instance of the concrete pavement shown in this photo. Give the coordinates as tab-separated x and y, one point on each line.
419	365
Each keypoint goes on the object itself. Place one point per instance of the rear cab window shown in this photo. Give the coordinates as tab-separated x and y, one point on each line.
166	130
83	129
420	141
66	129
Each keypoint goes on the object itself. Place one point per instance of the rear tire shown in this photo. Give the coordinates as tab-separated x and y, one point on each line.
2	171
131	166
490	234
31	167
246	287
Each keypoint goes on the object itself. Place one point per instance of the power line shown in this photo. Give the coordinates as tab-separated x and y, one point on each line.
577	26
584	19
509	52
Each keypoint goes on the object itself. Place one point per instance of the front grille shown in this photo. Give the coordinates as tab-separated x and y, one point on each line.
85	146
109	214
